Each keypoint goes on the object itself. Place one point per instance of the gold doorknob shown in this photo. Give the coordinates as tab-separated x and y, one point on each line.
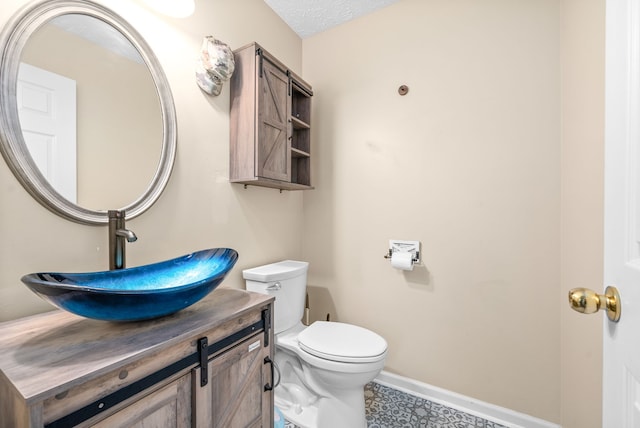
588	301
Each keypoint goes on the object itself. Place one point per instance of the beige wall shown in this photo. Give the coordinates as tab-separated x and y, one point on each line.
469	164
582	50
199	208
493	160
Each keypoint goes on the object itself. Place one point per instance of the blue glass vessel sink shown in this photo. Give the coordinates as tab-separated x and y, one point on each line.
136	293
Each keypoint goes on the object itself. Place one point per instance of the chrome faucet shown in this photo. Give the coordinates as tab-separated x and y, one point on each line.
118	237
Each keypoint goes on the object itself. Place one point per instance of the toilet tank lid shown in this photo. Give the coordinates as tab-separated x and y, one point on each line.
276	271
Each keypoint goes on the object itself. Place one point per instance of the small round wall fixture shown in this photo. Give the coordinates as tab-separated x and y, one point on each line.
403	90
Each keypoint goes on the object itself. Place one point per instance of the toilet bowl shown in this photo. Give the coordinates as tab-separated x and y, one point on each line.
324	366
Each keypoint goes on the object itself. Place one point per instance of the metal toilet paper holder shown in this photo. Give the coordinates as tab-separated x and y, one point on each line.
396	245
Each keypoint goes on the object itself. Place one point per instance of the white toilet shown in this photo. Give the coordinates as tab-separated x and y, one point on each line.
324	366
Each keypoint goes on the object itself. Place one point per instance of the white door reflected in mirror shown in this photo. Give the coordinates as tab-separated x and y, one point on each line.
47	110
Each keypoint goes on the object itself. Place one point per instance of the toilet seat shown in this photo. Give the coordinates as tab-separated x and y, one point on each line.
342	342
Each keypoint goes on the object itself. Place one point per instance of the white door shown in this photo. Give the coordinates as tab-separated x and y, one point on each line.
621	371
47	111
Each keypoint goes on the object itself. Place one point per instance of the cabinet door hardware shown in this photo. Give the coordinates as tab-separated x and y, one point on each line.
260	61
266	322
269	386
203	353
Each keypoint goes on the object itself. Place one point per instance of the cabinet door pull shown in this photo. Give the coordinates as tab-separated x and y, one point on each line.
269	386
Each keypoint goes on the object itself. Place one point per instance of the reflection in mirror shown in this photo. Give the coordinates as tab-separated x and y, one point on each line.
102	147
124	136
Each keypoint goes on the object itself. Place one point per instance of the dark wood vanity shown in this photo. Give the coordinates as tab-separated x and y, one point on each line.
206	366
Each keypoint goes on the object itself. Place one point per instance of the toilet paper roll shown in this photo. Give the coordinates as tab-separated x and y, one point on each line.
402	260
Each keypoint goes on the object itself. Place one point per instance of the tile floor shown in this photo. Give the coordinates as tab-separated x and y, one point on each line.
389	408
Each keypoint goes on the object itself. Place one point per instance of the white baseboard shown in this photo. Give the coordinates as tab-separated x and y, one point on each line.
463	403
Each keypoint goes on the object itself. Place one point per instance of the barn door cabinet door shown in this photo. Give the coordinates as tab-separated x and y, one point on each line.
270	115
238	393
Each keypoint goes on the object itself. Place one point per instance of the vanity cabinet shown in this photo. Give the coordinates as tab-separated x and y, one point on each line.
206	366
270	129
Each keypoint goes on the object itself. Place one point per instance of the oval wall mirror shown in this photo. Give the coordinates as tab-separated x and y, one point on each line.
87	120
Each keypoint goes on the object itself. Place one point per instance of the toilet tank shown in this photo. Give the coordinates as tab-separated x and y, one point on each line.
287	281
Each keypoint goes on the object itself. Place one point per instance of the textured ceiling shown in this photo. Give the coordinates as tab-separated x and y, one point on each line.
308	17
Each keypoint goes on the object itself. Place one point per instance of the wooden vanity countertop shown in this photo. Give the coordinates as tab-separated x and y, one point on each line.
45	354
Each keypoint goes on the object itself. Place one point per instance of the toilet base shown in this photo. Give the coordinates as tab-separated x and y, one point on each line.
334	412
303	417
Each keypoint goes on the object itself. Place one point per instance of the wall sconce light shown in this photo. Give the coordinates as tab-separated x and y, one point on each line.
215	66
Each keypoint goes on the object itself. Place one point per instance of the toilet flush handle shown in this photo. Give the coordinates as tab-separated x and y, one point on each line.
275	286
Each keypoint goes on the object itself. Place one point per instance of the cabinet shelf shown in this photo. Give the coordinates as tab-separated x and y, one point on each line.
295	153
274	184
298	124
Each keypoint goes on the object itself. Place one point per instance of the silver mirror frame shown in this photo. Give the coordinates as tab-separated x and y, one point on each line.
12	144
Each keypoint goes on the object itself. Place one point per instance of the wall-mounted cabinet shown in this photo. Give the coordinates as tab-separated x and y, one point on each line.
206	366
270	126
